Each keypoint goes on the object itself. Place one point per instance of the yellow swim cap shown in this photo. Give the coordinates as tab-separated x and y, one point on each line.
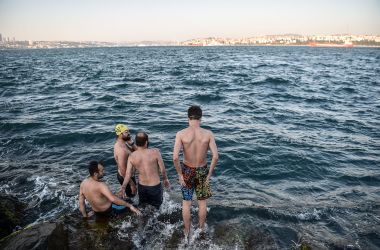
120	128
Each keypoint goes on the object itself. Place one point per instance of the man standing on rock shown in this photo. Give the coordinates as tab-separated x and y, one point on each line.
103	202
194	175
148	162
123	147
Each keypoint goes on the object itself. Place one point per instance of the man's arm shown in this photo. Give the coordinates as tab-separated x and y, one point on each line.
131	145
162	169
82	206
114	199
177	148
123	162
215	156
127	177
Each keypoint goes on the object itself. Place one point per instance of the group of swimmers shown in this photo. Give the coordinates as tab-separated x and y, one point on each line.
135	155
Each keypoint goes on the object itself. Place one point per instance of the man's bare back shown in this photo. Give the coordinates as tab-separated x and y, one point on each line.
93	193
146	162
195	142
97	193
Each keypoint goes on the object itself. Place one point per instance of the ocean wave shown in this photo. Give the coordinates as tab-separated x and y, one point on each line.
134	79
273	80
196	82
207	97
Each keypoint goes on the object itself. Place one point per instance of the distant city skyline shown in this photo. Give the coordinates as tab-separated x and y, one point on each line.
170	20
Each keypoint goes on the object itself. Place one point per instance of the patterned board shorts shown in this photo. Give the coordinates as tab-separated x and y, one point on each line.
195	179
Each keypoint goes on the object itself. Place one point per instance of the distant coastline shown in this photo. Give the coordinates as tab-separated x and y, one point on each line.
267	40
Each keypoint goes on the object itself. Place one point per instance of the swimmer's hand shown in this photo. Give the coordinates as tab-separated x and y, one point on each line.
135	210
133	189
121	193
88	215
166	183
208	180
182	181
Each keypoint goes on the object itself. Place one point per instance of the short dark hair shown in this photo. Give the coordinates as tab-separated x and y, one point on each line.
194	113
141	138
93	167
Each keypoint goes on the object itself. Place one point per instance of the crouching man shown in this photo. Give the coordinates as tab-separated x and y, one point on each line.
103	202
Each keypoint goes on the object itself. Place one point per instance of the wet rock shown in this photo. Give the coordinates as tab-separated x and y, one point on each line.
260	240
232	235
285	236
94	234
342	245
175	240
11	214
305	246
48	235
69	232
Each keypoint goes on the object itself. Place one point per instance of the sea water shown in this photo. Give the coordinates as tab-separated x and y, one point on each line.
297	129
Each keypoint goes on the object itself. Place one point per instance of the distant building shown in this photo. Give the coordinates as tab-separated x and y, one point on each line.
1	38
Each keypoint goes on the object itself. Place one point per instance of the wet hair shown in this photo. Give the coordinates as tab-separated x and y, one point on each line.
141	138
93	167
194	113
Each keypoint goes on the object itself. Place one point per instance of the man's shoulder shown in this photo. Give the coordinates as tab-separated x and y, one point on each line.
135	155
185	132
116	145
83	183
99	185
182	131
87	179
207	131
155	151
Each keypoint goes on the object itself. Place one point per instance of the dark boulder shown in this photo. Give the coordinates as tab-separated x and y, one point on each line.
11	214
232	234
47	235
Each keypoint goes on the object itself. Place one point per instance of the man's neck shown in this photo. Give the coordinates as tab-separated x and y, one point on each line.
94	178
120	140
194	123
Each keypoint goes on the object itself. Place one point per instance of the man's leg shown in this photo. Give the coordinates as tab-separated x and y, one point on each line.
186	205
202	213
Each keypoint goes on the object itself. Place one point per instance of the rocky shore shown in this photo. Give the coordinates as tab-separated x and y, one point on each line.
73	232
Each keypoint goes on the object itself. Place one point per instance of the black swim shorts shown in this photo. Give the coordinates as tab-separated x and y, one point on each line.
150	195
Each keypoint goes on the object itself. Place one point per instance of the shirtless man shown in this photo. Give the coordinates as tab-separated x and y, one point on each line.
121	152
148	163
97	193
193	172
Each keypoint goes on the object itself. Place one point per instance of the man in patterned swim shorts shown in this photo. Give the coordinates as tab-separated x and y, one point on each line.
194	175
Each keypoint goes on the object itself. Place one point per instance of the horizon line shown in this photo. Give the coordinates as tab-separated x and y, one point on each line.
206	37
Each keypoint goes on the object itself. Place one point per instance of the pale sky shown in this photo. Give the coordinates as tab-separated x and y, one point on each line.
178	20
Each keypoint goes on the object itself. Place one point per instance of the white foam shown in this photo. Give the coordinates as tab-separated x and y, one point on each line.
168	206
45	189
314	215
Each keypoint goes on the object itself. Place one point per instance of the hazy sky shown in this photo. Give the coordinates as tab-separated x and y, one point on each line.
177	20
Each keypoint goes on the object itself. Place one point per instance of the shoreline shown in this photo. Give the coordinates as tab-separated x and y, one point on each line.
160	46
